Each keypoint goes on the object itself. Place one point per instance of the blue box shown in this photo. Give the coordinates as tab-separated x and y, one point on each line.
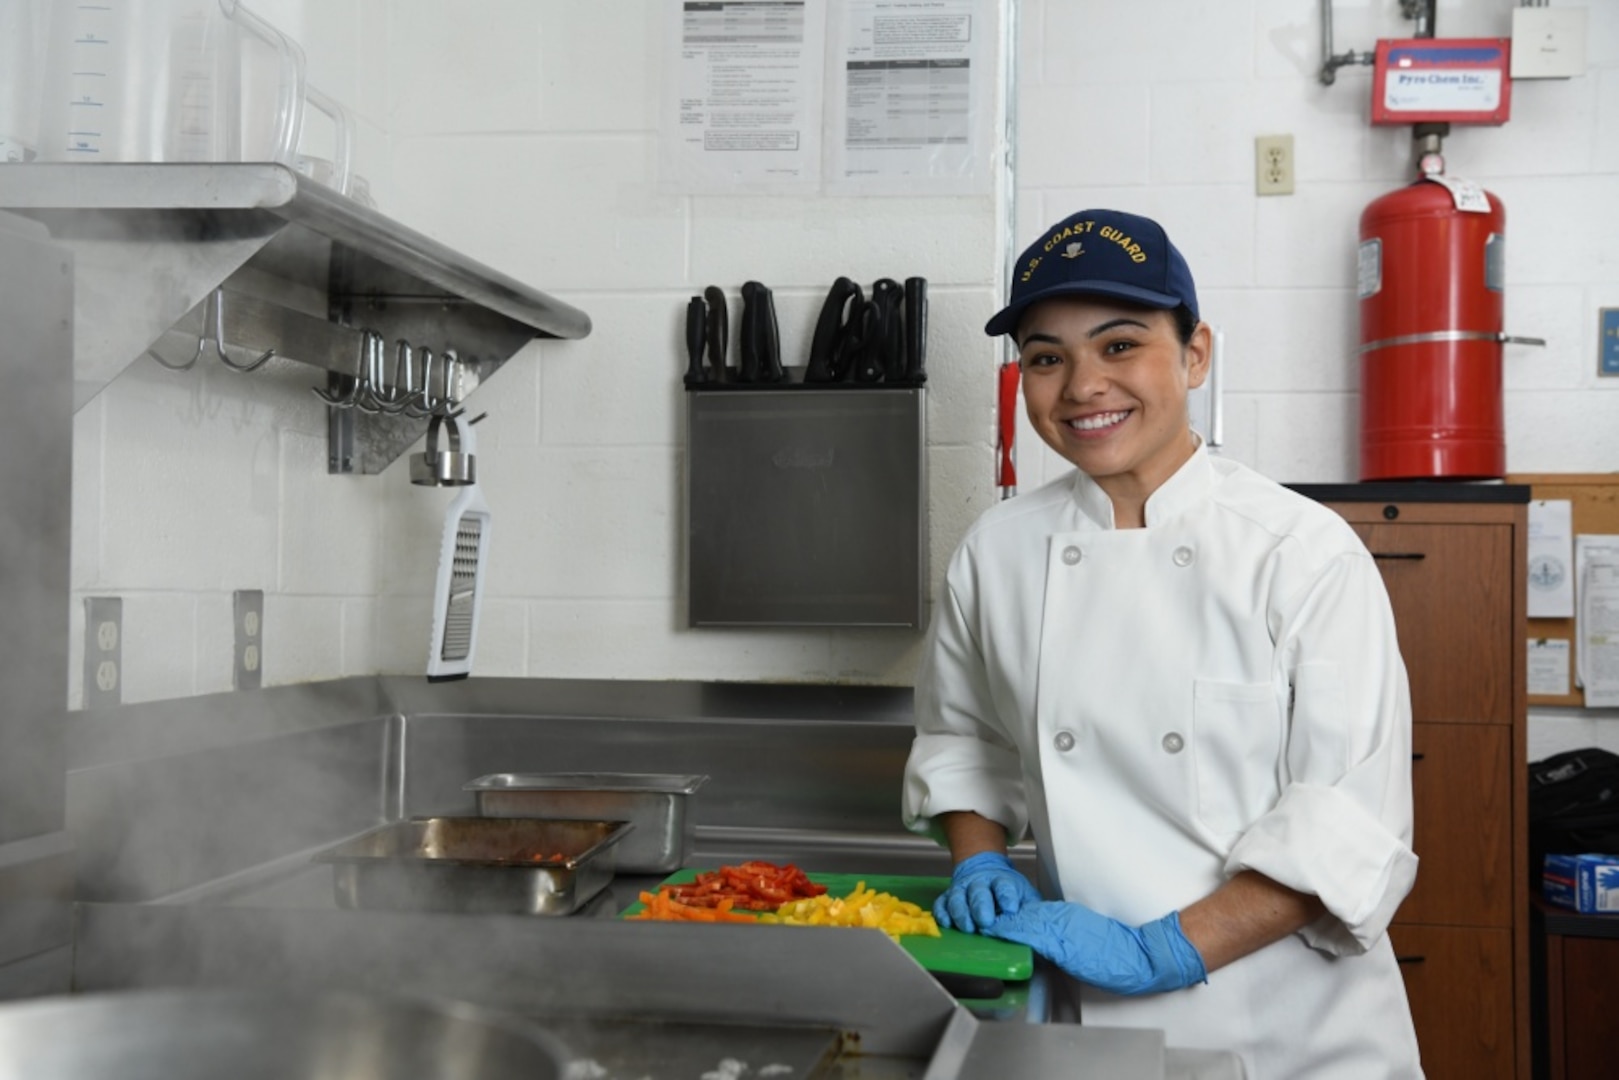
1586	883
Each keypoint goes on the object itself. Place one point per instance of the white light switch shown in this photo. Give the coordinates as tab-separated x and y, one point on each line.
1548	42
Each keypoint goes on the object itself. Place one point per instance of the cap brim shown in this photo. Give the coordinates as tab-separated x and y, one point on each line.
1006	320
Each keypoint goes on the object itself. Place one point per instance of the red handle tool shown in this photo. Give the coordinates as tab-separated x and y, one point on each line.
1006	472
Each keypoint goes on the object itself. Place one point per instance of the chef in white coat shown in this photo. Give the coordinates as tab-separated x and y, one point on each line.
1183	680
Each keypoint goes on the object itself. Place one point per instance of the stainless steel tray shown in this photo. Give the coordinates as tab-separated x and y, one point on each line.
657	804
477	865
208	1032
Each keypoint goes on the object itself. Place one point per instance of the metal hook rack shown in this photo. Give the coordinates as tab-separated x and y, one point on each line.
302	266
417	388
397	397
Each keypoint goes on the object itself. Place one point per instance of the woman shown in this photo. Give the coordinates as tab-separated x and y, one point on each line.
1184	680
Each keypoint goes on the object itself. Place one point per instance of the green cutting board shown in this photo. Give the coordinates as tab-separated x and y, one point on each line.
951	952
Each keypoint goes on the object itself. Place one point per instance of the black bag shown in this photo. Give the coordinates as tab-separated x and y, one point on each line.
1573	805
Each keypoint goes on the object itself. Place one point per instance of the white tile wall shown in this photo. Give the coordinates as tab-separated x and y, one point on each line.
525	134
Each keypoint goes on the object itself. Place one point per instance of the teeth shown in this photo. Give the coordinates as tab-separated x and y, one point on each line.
1101	420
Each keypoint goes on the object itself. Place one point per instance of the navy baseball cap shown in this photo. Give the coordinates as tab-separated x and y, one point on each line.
1099	253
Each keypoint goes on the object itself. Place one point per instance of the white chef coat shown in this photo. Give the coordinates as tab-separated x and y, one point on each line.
1164	707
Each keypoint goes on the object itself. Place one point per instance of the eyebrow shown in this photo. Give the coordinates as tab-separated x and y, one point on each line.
1053	339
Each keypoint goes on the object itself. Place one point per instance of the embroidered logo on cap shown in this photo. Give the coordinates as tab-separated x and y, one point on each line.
1109	253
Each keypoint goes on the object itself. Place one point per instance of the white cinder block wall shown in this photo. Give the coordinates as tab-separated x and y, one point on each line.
1153	106
524	132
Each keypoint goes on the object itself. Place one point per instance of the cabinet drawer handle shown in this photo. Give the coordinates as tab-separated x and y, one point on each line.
1412	556
1410	959
1418	756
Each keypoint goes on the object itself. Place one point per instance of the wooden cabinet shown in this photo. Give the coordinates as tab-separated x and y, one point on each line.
1454	559
1459	982
1581	955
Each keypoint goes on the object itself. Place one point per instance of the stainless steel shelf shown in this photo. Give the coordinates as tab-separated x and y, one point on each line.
151	242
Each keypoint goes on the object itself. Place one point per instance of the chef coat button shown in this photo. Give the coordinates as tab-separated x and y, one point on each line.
1173	743
1071	555
1183	556
1064	741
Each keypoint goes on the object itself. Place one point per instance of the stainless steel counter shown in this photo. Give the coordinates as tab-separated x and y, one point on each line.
251	799
630	1000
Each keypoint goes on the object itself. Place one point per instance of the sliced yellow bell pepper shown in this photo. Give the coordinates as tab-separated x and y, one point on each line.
861	908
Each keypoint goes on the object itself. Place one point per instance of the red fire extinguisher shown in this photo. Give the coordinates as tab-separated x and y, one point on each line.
1430	285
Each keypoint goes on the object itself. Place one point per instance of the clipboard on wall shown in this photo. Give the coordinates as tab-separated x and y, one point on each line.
1594	500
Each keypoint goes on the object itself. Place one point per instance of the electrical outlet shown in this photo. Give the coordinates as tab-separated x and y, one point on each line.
1273	165
103	651
249	666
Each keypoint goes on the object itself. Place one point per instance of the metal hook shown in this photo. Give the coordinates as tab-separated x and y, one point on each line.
418	402
365	392
347	399
187	366
392	395
217	300
446	404
213	314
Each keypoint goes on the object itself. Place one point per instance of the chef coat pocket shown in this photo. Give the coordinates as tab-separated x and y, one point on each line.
1235	743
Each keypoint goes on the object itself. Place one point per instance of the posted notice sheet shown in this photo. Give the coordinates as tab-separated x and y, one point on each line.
1596	653
744	110
1551	559
909	109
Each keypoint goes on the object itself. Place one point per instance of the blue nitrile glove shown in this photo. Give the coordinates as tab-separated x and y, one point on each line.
982	887
1104	952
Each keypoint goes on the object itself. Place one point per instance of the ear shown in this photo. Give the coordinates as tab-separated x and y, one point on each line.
1199	354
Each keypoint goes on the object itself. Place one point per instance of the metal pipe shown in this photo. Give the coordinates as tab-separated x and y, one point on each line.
1328	74
1424	12
1009	201
1330	63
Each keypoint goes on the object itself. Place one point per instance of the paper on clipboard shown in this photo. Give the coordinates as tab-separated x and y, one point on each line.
1596	561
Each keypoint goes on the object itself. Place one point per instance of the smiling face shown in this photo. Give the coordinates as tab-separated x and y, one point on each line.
1105	384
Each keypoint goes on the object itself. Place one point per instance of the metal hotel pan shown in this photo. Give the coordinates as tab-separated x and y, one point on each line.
212	1032
658	804
477	865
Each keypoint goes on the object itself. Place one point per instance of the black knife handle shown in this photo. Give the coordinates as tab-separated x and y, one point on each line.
916	330
828	327
748	341
851	341
696	328
719	330
769	336
887	346
868	357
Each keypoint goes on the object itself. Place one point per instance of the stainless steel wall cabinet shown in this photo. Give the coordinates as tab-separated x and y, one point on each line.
806	507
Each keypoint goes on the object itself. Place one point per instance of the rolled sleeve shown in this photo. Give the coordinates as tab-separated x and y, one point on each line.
1318	840
1341	828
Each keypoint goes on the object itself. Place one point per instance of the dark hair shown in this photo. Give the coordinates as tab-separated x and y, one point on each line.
1185	323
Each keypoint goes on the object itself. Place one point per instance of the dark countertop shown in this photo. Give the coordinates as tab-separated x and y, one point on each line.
1569	923
1416	491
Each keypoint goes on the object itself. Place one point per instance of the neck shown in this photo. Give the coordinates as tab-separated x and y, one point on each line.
1129	513
1129	493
